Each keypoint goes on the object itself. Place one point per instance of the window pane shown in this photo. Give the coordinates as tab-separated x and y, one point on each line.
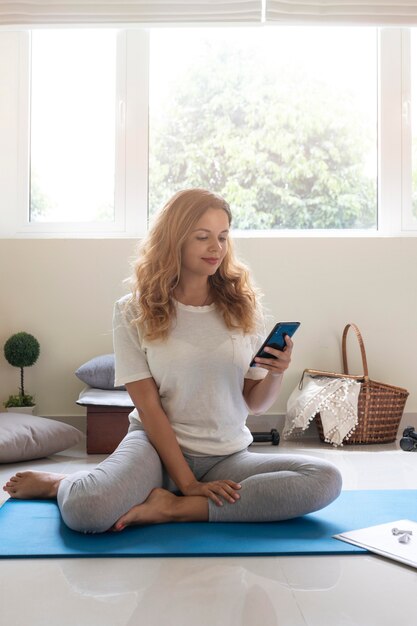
281	121
73	125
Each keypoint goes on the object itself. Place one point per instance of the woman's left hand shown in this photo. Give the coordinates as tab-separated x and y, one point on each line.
280	363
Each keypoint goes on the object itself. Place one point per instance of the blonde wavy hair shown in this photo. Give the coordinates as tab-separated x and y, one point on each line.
156	271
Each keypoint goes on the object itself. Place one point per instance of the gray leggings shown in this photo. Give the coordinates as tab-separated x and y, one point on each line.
274	486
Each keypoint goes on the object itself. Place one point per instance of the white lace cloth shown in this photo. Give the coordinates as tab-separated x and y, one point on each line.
336	399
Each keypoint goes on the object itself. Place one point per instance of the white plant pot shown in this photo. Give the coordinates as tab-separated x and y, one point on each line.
29	410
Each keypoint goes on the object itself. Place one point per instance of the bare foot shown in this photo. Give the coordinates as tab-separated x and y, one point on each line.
28	485
157	509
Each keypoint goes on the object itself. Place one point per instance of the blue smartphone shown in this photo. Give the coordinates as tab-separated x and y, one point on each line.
276	339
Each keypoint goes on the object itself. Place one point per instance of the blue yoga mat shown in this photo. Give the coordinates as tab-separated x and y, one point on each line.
33	528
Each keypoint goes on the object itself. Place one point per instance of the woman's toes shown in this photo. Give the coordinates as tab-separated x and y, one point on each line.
118	525
125	520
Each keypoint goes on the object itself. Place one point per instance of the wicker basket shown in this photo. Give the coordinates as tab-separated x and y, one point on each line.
380	406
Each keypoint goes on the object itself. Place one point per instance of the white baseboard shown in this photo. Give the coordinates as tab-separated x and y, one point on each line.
256	423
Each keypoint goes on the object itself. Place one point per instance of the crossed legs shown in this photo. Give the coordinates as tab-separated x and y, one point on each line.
126	488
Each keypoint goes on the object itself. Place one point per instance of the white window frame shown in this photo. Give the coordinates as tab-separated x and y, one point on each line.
131	146
394	149
390	190
409	221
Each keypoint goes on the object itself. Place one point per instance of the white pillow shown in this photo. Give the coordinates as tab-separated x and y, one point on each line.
26	437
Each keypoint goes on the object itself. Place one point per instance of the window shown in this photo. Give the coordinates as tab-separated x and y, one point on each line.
281	121
303	130
74	173
72	131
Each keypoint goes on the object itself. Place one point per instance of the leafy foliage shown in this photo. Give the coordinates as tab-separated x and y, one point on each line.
19	400
287	153
21	350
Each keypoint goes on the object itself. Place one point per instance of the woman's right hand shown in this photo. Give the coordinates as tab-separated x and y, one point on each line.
214	490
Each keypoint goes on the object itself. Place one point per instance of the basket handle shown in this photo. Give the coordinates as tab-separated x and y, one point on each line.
361	345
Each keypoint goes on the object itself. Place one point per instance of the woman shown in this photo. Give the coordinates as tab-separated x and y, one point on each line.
183	342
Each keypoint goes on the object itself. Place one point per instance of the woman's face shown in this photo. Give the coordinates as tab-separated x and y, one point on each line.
206	245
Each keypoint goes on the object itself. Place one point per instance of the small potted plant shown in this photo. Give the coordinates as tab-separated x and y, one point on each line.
21	350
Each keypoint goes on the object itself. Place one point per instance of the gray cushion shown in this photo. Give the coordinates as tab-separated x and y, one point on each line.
98	372
25	437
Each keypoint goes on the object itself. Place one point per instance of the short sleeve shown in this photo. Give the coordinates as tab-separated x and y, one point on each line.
130	358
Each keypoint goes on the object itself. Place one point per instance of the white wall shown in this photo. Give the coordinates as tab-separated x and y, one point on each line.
62	291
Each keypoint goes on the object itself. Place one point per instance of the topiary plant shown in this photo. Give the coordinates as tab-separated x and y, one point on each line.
21	350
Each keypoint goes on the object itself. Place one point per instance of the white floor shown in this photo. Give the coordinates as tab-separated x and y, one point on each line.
352	590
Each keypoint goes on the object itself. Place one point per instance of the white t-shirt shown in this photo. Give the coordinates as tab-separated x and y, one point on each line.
199	371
